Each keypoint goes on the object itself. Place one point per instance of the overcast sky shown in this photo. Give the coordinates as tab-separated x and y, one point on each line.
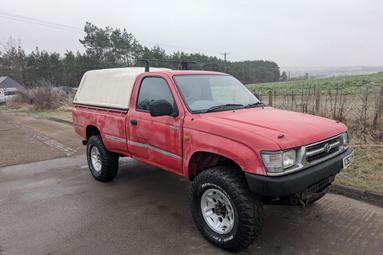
290	32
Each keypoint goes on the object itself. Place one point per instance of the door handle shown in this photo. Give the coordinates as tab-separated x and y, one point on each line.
133	122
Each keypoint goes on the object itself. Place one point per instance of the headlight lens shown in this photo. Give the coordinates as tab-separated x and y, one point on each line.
289	158
276	162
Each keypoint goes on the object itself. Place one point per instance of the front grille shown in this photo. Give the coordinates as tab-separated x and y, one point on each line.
323	149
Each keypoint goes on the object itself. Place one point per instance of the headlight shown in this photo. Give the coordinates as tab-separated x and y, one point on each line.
289	158
345	139
276	162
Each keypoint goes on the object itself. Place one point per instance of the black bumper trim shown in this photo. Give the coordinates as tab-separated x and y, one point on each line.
285	185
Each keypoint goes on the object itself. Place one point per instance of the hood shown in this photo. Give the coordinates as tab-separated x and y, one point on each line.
285	128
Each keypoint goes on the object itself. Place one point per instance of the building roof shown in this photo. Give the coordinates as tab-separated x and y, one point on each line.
7	82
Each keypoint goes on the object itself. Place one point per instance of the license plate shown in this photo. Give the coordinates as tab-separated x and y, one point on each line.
348	160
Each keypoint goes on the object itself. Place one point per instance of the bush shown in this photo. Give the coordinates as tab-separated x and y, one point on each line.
41	98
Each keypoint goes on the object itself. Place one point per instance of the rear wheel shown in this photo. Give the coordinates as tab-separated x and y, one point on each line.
102	163
224	210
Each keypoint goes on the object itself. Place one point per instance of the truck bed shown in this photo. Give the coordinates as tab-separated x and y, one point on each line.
111	124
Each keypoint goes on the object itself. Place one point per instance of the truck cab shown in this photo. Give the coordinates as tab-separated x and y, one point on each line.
209	128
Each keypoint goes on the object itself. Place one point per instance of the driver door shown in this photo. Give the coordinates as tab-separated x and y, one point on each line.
155	139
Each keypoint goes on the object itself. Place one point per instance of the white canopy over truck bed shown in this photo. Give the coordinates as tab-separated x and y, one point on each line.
109	87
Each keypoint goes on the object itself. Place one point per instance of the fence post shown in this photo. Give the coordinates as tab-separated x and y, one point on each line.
274	96
380	102
270	98
317	101
334	115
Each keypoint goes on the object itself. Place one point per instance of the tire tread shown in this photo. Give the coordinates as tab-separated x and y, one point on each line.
109	160
248	205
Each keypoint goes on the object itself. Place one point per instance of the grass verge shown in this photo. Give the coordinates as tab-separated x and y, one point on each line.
366	172
63	113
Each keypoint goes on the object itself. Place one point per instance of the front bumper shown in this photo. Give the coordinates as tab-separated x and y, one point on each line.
280	186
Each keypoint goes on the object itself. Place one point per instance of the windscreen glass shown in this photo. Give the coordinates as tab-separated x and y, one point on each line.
204	92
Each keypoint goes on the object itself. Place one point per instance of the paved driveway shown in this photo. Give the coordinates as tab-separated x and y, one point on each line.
24	138
56	207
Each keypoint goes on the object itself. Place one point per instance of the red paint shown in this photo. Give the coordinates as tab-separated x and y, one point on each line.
239	135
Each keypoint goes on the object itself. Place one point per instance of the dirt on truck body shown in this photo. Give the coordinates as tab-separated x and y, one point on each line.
208	127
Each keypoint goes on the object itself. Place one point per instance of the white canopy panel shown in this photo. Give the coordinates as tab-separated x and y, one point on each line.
109	87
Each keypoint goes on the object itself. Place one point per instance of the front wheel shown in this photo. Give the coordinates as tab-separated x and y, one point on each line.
224	210
102	163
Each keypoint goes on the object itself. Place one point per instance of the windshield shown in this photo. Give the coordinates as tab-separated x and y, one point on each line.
205	93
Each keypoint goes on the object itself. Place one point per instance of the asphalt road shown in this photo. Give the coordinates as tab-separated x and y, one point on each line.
56	207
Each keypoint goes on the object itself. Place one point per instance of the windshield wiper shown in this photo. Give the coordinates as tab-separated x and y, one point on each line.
222	107
255	105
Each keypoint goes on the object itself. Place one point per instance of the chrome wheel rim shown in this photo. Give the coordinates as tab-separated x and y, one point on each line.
217	211
95	159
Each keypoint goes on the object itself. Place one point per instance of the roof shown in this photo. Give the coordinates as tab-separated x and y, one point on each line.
109	87
7	82
113	87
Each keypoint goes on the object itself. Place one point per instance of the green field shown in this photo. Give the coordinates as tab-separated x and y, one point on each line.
350	84
366	171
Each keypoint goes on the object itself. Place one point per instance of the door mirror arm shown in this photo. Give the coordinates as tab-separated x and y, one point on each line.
174	113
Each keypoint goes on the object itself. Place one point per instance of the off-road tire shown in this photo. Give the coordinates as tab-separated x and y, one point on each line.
109	160
247	207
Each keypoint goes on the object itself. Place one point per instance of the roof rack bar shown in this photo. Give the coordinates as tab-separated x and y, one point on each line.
147	65
182	64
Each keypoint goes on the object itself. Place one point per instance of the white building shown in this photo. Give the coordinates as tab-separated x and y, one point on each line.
8	88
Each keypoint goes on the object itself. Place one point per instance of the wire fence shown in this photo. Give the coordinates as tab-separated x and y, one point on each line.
361	110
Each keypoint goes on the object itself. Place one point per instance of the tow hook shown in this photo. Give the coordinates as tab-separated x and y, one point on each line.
298	200
304	198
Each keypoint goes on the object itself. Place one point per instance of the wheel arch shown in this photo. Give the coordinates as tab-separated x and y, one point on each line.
92	130
199	144
201	160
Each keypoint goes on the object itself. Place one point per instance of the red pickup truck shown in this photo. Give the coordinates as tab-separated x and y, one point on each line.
208	127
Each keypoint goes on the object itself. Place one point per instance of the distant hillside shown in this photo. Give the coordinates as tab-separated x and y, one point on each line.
351	84
324	72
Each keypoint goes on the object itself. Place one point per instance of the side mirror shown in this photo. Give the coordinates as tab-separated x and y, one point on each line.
161	108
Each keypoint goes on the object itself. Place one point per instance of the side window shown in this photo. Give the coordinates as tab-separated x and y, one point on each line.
152	89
